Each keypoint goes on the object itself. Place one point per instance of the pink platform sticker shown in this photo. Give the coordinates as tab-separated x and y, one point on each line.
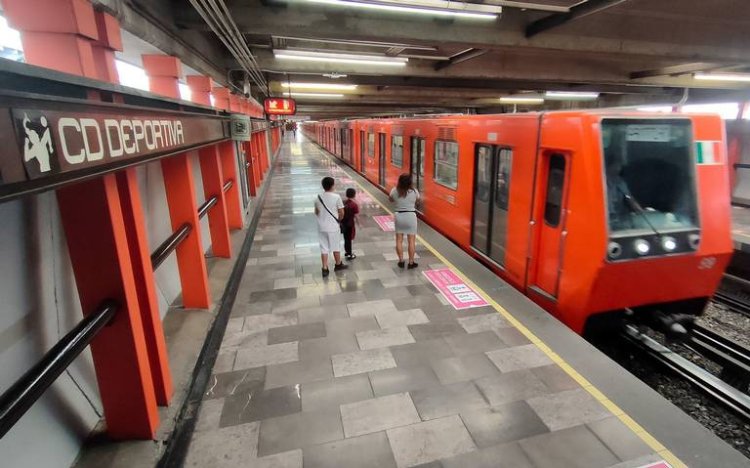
455	291
386	223
661	464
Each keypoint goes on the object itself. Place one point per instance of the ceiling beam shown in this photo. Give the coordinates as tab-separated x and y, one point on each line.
460	57
581	10
676	70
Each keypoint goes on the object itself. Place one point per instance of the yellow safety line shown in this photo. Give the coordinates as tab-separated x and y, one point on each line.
650	440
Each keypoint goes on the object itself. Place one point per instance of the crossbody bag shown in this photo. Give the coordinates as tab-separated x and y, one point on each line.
329	211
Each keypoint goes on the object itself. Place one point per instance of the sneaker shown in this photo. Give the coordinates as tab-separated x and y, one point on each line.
413	265
401	264
350	256
325	272
340	267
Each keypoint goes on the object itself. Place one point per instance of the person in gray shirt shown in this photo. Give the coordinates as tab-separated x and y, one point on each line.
405	197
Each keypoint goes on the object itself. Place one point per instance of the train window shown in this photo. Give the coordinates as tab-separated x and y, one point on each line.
505	160
371	145
445	168
649	175
397	150
555	185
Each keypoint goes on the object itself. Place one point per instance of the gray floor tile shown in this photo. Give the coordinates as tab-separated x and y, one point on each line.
367	451
513	386
324	289
362	361
444	400
397	318
504	423
258	323
244	339
576	447
619	438
418	302
519	357
511	336
556	379
230	383
265	355
226	447
378	414
421	352
296	332
343	298
483	322
640	462
292	373
255	406
567	409
500	456
432	330
428	441
209	417
368	308
241	309
350	325
225	361
299	430
293	305
458	369
392	293
320	348
402	379
474	343
334	392
322	314
372	339
274	294
290	459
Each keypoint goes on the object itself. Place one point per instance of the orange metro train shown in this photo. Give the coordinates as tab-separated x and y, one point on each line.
588	213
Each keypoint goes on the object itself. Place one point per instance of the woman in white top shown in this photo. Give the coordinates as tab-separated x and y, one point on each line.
405	198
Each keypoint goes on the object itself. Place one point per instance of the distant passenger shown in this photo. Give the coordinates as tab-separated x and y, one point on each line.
620	201
405	198
348	224
330	210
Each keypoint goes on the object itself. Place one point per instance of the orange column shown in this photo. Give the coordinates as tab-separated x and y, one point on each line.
235	105
135	226
62	39
229	171
178	182
163	74
200	89
221	98
249	148
213	185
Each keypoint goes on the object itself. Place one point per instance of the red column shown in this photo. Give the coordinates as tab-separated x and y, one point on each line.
221	98
178	182
213	185
234	103
104	48
163	74
62	38
249	148
200	89
229	170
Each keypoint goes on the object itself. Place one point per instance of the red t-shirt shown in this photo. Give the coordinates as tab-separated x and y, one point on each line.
351	209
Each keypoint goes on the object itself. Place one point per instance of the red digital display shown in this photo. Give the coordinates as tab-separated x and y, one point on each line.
280	106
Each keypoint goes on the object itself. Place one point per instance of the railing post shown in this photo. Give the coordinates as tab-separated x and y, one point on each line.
213	186
232	198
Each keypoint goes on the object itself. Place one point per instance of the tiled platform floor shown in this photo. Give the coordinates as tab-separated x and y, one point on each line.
371	368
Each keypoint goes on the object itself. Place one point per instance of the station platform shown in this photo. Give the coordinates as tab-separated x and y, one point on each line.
741	228
375	367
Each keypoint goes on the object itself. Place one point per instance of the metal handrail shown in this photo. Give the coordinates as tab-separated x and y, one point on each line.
228	185
167	247
26	391
203	209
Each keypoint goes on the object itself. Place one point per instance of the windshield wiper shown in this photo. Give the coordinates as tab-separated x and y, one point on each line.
636	207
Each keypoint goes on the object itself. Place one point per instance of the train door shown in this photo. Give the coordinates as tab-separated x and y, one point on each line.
381	159
416	161
362	142
350	148
491	191
342	149
550	221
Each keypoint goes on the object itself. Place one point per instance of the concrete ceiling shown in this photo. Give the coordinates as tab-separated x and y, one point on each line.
634	51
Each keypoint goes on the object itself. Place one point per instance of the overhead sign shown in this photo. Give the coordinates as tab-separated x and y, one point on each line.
280	106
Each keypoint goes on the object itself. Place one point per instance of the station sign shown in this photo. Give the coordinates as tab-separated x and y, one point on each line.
241	127
280	106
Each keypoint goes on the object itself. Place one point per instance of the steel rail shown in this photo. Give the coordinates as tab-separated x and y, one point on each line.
713	386
732	356
733	303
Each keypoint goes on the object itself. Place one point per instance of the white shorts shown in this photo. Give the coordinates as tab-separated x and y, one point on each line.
329	242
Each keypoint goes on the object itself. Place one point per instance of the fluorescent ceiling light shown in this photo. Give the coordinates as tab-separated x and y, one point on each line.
341	86
521	100
722	77
328	57
315	95
422	7
570	95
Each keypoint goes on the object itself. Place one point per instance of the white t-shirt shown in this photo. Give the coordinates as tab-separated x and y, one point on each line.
326	222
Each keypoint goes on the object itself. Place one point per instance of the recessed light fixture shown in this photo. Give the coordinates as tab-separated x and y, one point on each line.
740	77
521	100
315	95
334	76
571	95
341	86
329	57
442	8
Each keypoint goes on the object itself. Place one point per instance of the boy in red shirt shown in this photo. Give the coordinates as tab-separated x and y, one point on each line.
351	210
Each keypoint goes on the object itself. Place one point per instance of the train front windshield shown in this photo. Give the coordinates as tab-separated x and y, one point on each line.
650	176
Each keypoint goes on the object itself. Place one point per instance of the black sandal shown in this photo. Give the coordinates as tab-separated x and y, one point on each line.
401	264
325	272
413	265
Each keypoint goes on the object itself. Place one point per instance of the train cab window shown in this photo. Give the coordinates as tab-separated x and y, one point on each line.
649	176
371	145
445	168
397	150
555	186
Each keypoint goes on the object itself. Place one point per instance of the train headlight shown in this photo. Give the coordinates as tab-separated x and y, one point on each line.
694	241
641	246
614	250
669	244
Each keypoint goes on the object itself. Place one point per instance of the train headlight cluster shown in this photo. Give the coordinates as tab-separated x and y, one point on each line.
614	250
641	246
694	240
669	244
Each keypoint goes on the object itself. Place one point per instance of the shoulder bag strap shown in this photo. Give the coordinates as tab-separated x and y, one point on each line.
329	211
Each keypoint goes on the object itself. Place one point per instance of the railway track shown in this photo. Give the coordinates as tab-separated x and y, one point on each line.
734	301
730	355
716	388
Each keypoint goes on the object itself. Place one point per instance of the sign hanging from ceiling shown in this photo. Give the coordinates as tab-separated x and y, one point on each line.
280	106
